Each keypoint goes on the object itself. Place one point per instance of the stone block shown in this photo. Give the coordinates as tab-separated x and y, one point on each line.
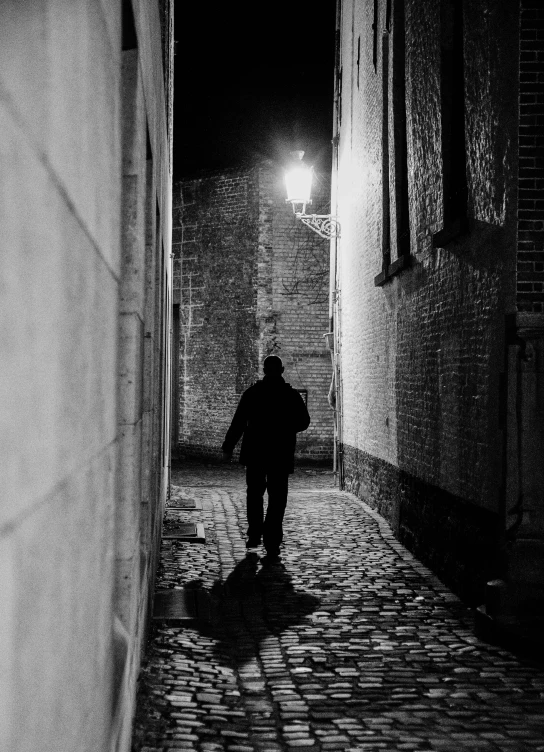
56	581
127	592
127	510
133	261
67	91
131	343
59	347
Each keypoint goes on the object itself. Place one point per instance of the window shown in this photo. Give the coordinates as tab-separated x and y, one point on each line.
452	99
395	201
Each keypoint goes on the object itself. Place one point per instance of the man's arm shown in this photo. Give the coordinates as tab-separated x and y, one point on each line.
237	427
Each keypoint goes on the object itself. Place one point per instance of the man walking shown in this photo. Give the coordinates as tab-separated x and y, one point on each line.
269	416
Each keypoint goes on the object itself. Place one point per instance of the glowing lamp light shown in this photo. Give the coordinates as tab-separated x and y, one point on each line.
298	182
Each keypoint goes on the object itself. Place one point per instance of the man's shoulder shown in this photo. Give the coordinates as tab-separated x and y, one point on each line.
251	389
291	389
255	385
262	388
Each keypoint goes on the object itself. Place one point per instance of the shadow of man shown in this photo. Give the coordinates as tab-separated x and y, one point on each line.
251	604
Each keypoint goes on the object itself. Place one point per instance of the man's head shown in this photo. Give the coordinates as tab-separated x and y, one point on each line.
273	366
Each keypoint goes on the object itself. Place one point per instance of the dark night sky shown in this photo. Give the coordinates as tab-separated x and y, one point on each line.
252	80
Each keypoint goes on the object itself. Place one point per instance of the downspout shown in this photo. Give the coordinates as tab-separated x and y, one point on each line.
334	291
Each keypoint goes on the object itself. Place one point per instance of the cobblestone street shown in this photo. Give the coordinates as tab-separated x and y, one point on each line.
347	643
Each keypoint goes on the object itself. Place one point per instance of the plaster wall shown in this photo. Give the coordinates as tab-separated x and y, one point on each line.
67	663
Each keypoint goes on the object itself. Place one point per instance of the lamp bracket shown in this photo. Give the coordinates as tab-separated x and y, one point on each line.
325	225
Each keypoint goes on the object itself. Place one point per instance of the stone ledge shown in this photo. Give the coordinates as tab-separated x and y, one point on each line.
403	262
199	535
530	320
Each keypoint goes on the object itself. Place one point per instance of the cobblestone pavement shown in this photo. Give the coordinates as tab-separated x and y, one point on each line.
348	643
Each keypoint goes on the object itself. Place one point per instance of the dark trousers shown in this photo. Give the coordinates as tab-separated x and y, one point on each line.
270	528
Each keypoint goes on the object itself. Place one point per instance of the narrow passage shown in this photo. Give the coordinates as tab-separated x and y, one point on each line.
348	643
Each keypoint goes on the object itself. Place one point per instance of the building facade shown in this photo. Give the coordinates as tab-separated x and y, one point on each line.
438	310
85	222
250	281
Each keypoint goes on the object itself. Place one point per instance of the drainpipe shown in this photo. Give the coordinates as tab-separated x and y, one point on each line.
334	291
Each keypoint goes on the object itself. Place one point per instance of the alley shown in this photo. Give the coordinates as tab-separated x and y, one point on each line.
348	643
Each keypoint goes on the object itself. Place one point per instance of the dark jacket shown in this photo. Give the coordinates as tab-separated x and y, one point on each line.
269	415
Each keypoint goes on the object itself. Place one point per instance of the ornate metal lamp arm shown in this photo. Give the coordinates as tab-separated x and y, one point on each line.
323	224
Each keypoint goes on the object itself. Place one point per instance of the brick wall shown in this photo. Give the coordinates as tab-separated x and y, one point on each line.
530	278
422	354
250	283
215	251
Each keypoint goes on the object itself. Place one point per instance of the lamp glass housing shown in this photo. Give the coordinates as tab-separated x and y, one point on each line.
298	182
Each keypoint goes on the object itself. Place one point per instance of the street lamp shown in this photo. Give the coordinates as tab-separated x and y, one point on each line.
298	182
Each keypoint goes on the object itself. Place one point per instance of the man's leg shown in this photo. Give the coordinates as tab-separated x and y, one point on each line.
278	485
256	486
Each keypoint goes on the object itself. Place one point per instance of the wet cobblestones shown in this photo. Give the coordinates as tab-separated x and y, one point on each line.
348	643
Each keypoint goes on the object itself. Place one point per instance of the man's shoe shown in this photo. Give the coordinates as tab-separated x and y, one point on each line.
253	543
272	554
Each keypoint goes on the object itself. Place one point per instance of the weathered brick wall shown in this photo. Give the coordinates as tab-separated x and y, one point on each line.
250	284
215	248
530	287
421	355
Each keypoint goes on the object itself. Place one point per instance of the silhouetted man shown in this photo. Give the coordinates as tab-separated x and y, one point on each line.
269	416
